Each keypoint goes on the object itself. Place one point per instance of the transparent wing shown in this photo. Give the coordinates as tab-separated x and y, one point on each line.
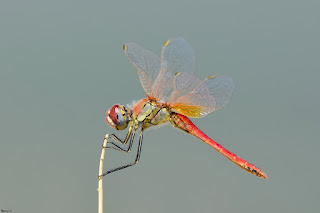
147	65
196	98
176	56
170	81
221	88
156	76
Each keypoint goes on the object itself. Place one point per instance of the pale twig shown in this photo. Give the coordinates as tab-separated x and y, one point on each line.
100	188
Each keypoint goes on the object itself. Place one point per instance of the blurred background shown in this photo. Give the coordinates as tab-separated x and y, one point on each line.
62	67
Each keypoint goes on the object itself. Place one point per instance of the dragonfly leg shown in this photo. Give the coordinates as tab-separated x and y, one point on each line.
115	138
131	164
118	148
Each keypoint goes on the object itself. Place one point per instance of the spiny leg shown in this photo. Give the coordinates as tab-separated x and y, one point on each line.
118	148
115	138
133	163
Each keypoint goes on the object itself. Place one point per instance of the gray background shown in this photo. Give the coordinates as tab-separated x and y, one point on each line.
62	67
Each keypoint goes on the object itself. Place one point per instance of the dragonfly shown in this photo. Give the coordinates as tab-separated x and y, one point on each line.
173	95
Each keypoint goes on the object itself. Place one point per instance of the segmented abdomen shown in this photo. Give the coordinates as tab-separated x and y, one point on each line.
184	123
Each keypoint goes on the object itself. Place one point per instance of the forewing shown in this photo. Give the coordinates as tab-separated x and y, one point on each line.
147	65
176	56
162	85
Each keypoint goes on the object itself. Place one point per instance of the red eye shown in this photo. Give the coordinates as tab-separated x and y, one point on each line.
114	113
116	117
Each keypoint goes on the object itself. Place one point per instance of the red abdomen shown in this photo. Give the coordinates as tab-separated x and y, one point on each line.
184	123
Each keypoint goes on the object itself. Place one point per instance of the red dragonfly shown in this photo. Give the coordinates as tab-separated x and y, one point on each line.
173	93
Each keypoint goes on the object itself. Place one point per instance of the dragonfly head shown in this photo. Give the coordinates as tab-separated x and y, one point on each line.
118	117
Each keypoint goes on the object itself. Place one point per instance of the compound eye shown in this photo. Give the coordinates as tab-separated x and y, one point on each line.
116	115
109	120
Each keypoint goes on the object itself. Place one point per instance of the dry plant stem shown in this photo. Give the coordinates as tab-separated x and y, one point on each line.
100	188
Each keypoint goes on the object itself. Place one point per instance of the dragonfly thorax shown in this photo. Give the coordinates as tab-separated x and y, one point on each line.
147	113
118	117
